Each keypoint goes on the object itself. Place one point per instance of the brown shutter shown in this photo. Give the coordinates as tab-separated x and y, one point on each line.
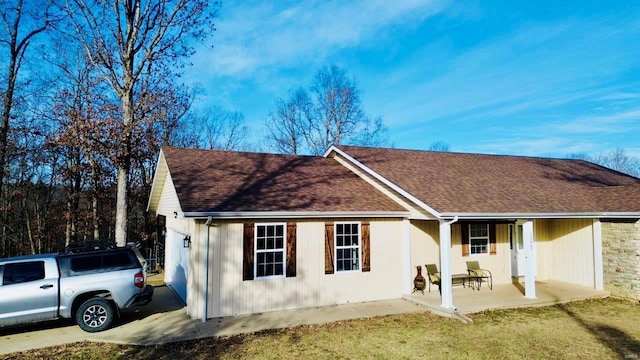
291	249
492	238
328	248
366	247
247	252
464	227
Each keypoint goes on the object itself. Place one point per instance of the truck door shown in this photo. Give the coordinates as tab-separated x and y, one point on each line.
28	292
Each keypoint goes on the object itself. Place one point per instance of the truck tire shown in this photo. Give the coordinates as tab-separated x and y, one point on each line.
95	314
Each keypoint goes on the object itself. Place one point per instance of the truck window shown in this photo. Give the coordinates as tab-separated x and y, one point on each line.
104	261
86	263
23	272
117	260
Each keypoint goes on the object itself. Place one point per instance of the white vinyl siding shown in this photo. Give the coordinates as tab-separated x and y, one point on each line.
565	251
229	295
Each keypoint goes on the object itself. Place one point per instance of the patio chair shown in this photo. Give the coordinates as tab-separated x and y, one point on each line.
433	274
473	268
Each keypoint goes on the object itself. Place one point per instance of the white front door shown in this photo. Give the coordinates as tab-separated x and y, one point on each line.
516	242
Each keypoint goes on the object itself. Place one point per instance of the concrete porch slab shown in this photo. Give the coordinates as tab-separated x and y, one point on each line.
468	300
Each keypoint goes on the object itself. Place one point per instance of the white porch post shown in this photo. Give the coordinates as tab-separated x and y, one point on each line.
406	245
530	260
445	265
598	266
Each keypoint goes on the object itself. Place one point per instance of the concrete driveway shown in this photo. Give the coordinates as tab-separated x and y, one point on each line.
165	320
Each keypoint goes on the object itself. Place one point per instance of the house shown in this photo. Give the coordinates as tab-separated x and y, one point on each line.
247	232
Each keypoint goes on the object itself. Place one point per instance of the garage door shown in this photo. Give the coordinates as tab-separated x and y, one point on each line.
177	264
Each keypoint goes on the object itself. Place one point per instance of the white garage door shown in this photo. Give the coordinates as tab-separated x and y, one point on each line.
177	264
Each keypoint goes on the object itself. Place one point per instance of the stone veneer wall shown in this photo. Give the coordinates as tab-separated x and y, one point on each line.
621	258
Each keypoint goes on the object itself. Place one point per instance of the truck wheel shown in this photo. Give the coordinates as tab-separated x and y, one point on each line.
95	314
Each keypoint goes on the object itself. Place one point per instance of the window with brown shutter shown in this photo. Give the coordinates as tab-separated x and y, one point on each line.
269	250
347	247
478	238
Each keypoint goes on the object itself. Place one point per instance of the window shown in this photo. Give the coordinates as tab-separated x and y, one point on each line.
479	238
106	261
347	246
86	263
270	250
518	237
23	272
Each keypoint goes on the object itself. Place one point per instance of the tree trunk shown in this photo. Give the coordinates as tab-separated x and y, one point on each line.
4	128
67	233
121	206
124	164
94	198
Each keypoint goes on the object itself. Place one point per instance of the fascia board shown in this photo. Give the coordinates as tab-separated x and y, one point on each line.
586	215
295	214
154	184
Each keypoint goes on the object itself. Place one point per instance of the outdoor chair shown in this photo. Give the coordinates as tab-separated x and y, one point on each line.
433	274
473	268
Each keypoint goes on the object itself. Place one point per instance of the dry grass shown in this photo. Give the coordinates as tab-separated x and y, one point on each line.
594	329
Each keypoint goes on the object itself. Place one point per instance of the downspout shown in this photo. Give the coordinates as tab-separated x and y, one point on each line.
206	272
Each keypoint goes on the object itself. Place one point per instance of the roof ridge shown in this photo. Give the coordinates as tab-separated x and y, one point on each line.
239	152
345	147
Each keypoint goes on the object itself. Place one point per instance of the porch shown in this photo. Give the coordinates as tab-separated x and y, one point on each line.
468	300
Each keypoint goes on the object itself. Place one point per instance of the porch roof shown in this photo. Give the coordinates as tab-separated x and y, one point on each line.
461	183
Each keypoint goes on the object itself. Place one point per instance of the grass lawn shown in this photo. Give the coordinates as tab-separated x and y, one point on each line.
593	329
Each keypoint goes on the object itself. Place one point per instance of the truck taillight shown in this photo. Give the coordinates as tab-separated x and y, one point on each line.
138	280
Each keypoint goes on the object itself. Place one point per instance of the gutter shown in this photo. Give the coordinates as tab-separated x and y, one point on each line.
513	216
294	214
206	271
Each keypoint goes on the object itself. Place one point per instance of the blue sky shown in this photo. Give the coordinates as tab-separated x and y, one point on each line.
536	78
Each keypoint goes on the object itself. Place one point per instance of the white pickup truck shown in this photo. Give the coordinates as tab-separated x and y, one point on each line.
89	286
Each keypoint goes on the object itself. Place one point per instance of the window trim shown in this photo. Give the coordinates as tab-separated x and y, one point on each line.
256	251
336	247
487	238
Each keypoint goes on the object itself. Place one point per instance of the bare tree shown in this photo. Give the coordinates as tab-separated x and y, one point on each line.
82	112
216	129
21	23
439	146
127	40
286	124
616	160
329	113
619	160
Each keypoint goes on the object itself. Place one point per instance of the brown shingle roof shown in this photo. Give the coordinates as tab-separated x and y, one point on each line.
224	181
473	183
